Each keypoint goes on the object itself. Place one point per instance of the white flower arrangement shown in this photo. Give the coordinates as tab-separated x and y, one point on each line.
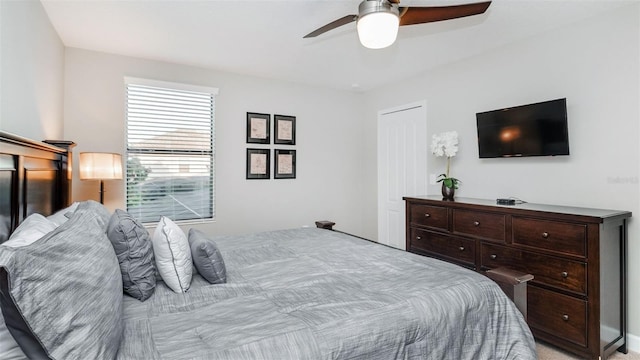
446	144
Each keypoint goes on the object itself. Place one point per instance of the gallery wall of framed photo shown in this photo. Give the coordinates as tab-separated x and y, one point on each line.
259	158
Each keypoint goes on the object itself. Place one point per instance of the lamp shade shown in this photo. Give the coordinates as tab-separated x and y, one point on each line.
378	30
100	166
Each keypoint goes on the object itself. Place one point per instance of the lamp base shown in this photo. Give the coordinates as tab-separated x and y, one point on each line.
101	192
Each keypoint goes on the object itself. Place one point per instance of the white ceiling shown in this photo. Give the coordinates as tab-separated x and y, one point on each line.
264	37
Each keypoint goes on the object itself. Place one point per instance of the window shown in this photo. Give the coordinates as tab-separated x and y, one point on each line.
170	151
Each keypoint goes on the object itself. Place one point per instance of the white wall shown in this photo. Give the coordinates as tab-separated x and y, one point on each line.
31	72
328	136
595	65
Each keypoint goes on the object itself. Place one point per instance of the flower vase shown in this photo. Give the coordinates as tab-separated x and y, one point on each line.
447	192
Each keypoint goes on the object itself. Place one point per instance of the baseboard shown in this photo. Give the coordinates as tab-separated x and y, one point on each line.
633	343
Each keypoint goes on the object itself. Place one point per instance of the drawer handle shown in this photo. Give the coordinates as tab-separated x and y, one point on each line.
418	238
427	215
564	274
476	223
493	256
545	235
461	248
565	317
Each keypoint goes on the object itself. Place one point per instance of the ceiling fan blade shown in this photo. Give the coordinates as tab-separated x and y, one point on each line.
421	15
332	25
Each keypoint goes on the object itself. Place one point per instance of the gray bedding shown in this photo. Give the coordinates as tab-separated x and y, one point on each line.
318	294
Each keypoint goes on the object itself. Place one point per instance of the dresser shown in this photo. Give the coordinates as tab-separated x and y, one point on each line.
577	298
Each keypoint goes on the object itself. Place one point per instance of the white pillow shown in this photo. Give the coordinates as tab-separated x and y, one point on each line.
9	349
173	255
61	217
31	229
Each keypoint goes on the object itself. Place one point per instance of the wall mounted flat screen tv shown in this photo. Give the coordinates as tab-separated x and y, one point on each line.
538	129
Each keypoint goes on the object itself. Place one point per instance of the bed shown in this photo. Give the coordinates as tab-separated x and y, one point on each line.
290	294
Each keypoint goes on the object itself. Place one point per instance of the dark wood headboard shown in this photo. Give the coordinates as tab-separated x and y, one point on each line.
35	177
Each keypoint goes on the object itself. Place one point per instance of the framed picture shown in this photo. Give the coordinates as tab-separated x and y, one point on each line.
284	164
258	163
258	126
284	129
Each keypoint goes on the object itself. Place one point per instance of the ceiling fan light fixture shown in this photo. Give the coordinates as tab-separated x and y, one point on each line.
378	24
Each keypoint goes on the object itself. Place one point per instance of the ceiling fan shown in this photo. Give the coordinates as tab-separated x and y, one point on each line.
378	20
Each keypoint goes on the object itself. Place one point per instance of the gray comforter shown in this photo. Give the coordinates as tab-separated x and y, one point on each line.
318	294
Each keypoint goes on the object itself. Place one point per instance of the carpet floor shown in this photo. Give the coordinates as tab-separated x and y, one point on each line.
547	352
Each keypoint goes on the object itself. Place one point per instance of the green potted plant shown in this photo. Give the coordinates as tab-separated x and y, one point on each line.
446	144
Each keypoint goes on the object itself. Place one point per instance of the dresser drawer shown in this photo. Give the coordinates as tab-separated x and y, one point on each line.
461	251
561	315
565	238
479	224
429	216
549	270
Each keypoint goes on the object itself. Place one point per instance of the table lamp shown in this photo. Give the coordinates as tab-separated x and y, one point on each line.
100	166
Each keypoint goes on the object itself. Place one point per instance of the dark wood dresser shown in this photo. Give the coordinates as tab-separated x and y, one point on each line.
577	299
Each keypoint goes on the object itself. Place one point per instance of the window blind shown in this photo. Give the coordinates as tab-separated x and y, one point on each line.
170	153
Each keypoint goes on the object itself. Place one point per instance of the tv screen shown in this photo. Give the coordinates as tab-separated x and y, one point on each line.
538	129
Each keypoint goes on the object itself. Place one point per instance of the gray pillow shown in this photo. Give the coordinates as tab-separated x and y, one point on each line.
207	257
134	250
61	296
98	209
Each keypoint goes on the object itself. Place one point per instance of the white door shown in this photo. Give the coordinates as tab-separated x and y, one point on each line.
402	167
